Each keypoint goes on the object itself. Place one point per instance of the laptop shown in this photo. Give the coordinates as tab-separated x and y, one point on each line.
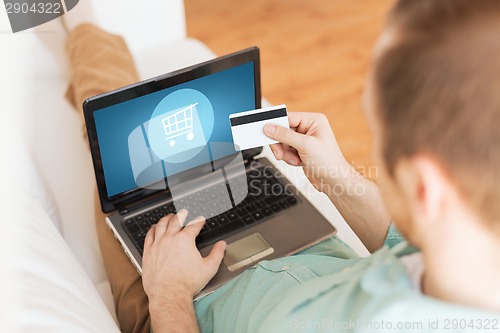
165	144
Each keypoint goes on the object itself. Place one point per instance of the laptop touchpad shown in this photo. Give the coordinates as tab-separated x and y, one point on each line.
246	251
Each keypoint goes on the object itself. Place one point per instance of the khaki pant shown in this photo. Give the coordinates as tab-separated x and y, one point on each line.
101	62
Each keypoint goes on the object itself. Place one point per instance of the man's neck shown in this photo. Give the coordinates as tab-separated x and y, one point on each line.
464	267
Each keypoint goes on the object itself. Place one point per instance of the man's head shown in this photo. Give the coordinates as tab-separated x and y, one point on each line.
434	106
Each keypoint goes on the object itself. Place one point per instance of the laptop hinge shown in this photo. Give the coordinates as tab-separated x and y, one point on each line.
122	210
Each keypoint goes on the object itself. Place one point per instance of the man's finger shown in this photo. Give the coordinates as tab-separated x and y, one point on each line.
291	157
285	135
216	255
161	226
150	237
296	118
175	225
194	227
277	149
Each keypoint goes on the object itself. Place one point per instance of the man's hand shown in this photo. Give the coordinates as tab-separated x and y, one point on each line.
310	143
172	265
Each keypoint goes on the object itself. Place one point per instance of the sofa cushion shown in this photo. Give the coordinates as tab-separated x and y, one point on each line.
29	177
52	291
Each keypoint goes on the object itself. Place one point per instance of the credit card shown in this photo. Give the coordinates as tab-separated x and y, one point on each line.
248	126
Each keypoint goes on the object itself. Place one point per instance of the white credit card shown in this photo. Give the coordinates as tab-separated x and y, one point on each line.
248	126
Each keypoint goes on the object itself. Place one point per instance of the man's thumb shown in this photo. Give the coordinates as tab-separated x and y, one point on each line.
284	135
216	255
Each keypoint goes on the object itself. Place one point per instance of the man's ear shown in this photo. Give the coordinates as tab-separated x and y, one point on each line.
424	184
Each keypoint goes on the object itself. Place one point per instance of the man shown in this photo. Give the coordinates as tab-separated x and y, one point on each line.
433	106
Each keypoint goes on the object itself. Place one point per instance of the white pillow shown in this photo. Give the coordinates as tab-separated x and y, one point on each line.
51	291
21	166
6	300
36	183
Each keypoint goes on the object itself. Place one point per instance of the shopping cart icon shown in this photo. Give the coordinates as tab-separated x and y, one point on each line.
179	123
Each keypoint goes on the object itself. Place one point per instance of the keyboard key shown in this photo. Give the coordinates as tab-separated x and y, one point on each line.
292	200
259	204
211	214
250	199
248	219
275	208
257	216
129	222
241	212
232	216
144	224
254	174
222	220
284	204
131	226
138	218
255	188
213	224
267	211
169	208
194	213
271	200
139	235
235	225
251	207
140	244
148	214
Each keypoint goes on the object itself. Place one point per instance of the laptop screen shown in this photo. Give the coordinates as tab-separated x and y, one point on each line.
148	138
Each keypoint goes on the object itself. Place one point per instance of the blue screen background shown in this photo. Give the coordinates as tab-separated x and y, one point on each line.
228	91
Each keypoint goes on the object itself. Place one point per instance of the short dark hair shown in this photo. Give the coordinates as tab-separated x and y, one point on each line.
438	93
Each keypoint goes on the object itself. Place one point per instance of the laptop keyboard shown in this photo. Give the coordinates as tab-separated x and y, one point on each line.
266	197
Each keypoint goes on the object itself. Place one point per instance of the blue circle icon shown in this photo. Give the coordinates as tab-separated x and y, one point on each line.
180	126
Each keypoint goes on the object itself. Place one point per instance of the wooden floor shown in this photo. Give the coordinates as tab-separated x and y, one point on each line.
315	54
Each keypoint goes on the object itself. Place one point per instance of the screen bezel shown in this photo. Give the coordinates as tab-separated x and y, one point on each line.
92	104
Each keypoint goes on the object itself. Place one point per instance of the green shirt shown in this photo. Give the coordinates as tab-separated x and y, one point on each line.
329	288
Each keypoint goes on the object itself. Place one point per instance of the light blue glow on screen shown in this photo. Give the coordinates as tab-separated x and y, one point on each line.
229	91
